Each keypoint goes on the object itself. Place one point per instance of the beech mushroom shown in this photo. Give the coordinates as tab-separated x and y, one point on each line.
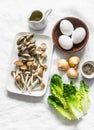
40	71
29	68
44	67
19	41
43	46
39	51
24	67
42	57
29	63
29	36
42	85
18	63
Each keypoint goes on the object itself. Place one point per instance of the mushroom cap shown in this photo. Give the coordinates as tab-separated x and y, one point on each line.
20	40
24	67
39	51
44	55
33	71
18	63
42	85
29	36
35	64
43	46
27	72
18	77
44	67
26	55
29	63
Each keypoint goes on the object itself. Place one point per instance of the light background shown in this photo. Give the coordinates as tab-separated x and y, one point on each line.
28	113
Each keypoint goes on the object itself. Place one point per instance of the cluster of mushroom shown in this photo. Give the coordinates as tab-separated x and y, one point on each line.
30	66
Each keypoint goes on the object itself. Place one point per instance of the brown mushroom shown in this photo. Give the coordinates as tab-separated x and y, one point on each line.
40	71
39	51
24	67
18	77
42	85
44	55
29	36
19	41
44	67
18	63
35	65
43	46
29	63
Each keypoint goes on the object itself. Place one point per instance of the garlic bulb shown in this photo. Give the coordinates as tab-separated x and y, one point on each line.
72	73
74	61
62	64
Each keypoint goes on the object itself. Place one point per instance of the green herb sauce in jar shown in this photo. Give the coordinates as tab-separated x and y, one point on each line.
36	16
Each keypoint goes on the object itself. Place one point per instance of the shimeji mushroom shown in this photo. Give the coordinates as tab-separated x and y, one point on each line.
13	73
23	67
31	46
42	85
29	63
19	41
42	57
19	82
25	55
44	67
27	43
18	63
26	75
19	46
29	36
22	49
39	51
37	81
40	71
43	46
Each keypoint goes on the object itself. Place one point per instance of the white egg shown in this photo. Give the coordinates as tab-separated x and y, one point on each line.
78	35
65	42
66	27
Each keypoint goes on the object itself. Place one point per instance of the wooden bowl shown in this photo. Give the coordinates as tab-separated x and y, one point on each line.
76	23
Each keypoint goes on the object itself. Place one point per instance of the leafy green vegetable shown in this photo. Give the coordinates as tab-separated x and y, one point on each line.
59	107
67	99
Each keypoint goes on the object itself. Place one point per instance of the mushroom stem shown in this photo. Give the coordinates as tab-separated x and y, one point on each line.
26	79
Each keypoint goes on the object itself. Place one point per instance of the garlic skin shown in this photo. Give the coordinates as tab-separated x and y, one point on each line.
66	27
72	73
62	64
74	61
65	42
78	35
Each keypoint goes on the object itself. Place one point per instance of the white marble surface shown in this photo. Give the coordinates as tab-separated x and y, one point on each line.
28	113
